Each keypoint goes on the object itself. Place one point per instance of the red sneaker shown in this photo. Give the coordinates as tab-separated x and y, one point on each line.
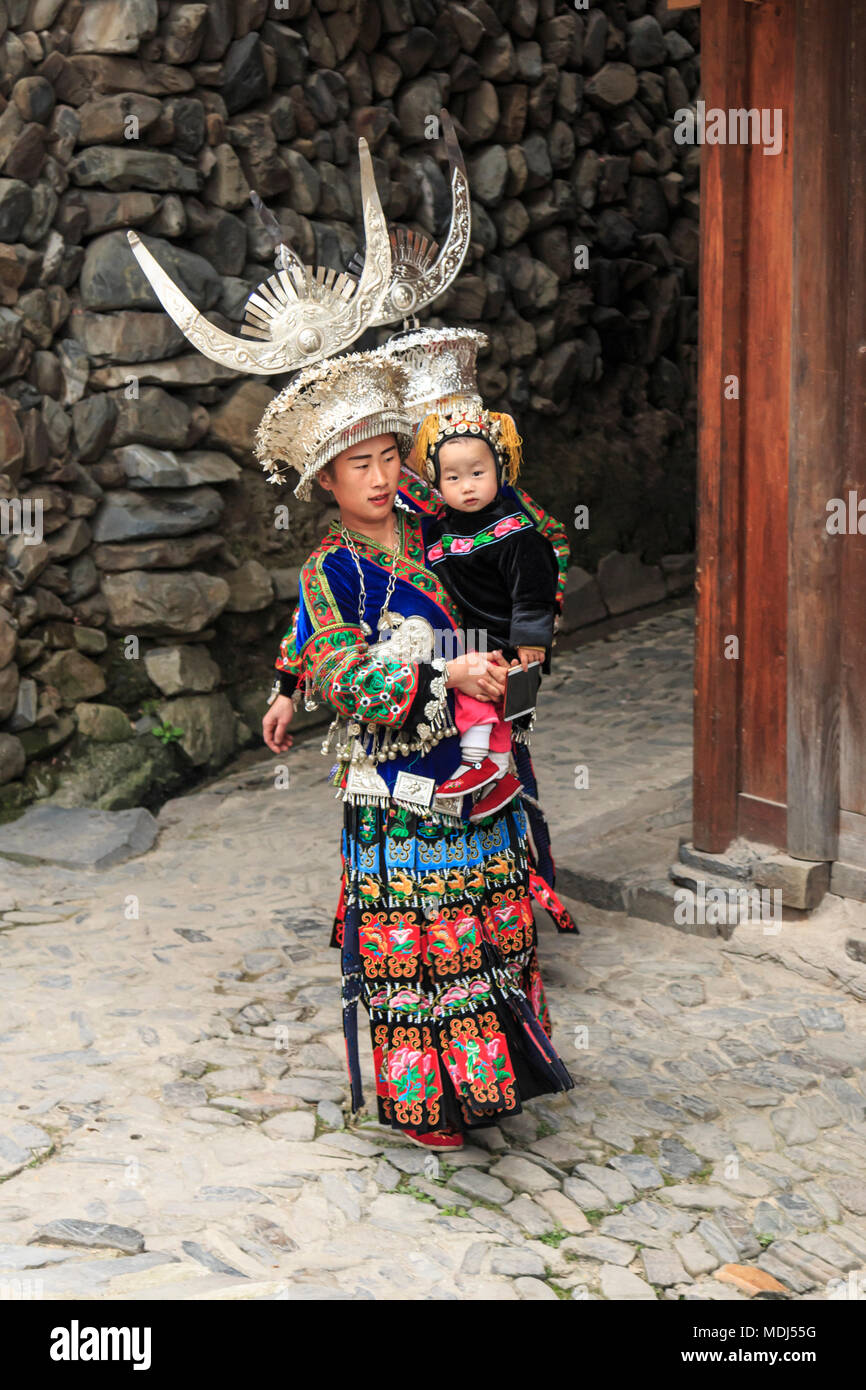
476	775
500	794
437	1139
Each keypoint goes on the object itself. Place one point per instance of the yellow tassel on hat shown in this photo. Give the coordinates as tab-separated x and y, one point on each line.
510	442
425	439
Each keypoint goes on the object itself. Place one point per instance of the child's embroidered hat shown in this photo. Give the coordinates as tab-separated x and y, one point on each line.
471	421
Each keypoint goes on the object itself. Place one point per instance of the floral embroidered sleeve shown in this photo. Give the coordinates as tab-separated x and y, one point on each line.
555	532
355	682
288	663
417	495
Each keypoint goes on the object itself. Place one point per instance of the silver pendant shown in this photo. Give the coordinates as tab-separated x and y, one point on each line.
389	622
364	780
418	791
366	629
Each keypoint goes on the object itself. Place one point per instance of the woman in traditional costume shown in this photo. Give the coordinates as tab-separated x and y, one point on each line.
440	366
438	937
438	930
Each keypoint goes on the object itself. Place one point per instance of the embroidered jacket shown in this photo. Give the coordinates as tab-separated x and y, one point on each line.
371	686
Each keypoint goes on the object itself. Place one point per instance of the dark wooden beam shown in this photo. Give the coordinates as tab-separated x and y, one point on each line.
816	441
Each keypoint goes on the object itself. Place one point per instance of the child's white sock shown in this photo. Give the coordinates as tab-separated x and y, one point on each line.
474	745
501	760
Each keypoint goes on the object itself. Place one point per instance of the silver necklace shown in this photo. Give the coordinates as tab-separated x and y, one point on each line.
386	618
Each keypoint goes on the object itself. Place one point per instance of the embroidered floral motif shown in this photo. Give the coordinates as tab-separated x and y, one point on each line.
408	1079
488	535
480	1066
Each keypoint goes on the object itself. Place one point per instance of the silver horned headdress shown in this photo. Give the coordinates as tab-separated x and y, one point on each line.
418	275
300	314
328	408
420	270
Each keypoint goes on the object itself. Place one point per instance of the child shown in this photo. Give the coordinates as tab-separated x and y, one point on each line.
489	556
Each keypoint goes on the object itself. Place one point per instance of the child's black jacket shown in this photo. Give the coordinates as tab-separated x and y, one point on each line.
500	571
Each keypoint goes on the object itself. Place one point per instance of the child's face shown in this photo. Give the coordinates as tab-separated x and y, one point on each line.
467	474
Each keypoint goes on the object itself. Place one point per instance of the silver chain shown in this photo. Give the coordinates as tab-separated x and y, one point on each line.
392	581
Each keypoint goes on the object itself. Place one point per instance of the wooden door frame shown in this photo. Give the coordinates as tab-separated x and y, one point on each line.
806	821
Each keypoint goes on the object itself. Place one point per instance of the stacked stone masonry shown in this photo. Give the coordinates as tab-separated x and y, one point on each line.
138	622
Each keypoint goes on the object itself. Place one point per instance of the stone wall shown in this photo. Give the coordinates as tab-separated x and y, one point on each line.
165	575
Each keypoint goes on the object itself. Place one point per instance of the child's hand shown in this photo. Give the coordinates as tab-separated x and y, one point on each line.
528	654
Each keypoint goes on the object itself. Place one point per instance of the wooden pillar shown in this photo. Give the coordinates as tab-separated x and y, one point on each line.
817	443
723	206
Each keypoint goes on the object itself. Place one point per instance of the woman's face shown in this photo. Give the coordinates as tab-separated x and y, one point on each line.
363	479
467	474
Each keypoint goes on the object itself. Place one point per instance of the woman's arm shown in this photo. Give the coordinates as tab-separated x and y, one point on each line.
332	649
288	662
376	689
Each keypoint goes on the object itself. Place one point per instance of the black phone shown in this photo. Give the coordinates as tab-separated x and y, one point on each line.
521	690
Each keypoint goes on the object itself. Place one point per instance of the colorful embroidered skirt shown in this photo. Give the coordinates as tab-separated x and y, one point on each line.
439	944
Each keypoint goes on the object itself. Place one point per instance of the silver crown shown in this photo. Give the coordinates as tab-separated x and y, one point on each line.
440	368
328	408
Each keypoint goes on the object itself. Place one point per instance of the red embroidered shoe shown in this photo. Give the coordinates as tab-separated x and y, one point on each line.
437	1139
476	775
500	794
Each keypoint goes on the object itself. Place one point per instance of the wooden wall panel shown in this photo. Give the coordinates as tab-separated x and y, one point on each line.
816	470
780	735
852	604
765	385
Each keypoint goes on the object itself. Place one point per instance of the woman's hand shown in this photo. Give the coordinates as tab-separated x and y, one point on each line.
480	674
275	724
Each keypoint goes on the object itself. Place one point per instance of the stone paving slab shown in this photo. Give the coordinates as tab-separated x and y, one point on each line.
77	838
171	1064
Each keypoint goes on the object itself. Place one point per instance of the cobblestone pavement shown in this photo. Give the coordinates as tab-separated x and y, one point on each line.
172	1081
